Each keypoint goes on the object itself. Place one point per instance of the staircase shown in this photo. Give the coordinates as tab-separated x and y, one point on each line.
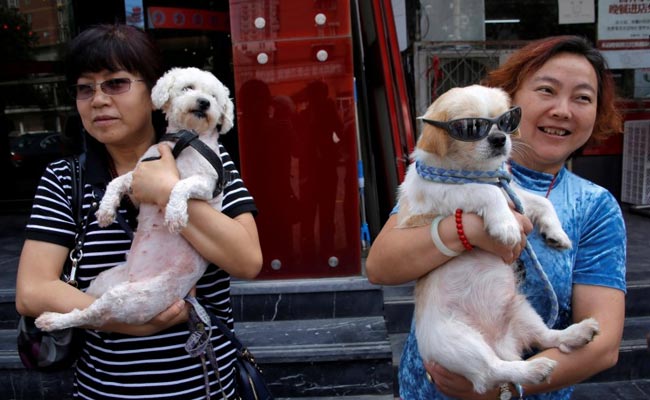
317	338
338	337
320	338
629	379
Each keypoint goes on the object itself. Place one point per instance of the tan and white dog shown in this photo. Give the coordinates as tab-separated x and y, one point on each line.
469	317
162	266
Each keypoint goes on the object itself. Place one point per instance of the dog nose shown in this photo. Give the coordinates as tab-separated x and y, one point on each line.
497	140
203	104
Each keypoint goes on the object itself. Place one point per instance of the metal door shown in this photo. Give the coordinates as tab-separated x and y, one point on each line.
297	135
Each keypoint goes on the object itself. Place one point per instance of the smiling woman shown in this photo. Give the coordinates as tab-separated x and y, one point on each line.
560	103
567	99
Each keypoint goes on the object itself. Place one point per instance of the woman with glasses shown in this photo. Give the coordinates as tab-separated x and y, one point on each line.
111	70
567	101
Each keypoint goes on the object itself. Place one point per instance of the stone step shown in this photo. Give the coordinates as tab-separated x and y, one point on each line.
638	389
634	355
8	314
300	358
637	299
398	304
306	299
398	308
322	357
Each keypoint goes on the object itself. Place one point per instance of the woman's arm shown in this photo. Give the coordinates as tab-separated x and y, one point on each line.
400	255
231	243
606	305
40	289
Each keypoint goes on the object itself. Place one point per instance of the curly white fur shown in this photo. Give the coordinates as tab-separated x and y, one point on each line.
162	266
469	316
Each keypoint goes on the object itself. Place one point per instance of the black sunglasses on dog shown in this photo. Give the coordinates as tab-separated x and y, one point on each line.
110	87
473	129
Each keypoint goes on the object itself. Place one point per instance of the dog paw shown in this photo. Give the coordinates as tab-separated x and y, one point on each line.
105	216
555	237
539	370
176	219
48	321
578	335
505	233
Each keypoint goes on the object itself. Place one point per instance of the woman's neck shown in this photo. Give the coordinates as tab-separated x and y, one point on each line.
550	168
125	158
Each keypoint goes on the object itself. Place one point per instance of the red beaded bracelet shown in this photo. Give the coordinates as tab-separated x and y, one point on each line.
461	233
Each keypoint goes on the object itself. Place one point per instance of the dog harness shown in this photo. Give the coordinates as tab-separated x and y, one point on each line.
185	138
502	178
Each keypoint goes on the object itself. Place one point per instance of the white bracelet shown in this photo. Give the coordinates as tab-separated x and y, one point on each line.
520	390
435	236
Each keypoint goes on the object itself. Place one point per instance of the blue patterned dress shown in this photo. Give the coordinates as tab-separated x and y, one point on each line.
593	220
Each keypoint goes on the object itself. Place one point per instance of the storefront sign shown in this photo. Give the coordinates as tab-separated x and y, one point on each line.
187	18
576	12
623	24
627	59
134	13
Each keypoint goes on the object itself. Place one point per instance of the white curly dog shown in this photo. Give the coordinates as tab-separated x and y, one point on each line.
469	316
162	266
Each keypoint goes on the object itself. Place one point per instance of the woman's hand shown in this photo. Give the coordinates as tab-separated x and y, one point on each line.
456	386
176	313
154	180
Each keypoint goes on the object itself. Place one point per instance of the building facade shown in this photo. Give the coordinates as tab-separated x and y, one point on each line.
326	96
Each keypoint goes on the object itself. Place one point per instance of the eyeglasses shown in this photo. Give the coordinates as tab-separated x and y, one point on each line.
110	87
473	129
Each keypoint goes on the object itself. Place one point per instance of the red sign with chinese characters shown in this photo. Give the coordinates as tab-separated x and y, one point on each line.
187	18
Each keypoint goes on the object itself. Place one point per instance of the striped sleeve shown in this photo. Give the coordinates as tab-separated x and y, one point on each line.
236	200
51	217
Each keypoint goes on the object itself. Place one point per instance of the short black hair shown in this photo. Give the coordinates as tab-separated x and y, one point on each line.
113	48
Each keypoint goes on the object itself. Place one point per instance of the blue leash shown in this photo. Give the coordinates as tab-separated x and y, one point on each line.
502	178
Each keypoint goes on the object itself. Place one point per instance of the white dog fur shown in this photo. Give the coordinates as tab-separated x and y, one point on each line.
162	266
469	316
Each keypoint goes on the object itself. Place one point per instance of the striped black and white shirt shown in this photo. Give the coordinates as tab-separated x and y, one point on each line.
118	366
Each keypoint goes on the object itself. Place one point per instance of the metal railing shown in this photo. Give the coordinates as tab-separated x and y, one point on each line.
440	66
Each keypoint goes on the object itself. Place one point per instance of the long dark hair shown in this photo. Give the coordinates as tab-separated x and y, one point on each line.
530	58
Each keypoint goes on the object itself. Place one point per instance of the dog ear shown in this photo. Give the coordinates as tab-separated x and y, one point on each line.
434	140
227	119
161	90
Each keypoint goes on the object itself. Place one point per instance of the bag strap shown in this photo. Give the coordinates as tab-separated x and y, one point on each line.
252	371
77	188
78	165
204	314
98	193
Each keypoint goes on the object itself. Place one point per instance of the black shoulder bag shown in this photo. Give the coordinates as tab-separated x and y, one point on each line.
53	351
